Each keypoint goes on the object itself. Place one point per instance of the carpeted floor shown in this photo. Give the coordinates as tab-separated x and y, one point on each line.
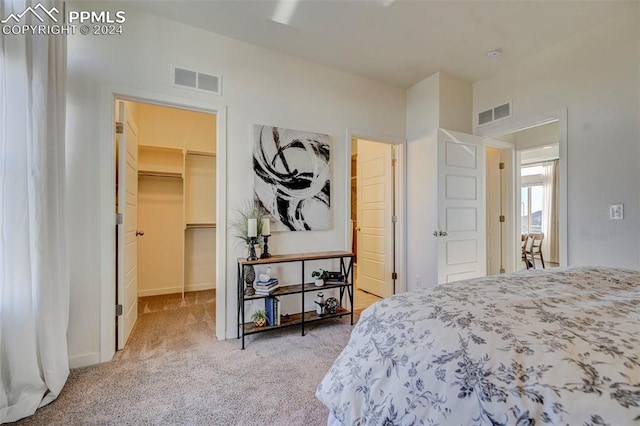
174	372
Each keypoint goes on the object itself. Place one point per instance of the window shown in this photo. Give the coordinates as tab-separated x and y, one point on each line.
531	196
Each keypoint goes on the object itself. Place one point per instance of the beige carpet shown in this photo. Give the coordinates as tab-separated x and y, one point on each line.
174	372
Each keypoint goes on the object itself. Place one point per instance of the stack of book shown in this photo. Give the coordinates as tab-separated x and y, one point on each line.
272	307
265	288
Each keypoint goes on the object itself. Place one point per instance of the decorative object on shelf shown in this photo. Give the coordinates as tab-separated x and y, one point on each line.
249	277
320	275
247	227
320	302
266	276
335	276
259	318
292	177
252	232
266	233
331	305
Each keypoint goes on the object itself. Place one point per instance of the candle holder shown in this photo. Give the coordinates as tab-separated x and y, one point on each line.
265	250
252	249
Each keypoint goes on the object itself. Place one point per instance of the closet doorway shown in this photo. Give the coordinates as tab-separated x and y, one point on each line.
374	213
166	204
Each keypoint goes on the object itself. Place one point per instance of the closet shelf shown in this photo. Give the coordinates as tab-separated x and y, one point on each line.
200	225
159	173
202	153
154	148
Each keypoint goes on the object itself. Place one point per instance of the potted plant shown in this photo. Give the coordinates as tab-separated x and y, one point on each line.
259	318
251	209
320	275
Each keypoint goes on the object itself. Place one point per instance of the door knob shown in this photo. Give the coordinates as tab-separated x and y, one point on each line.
443	233
139	233
357	228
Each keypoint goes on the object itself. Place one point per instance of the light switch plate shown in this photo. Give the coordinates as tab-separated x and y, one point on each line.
616	211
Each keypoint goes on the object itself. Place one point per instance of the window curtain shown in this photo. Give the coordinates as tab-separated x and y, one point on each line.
550	181
34	277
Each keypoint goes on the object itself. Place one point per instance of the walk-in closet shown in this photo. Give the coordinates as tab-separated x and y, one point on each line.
176	208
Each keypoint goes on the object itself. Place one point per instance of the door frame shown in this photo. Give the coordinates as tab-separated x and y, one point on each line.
106	221
511	126
401	197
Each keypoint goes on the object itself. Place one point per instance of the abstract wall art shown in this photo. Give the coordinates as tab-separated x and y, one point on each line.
292	177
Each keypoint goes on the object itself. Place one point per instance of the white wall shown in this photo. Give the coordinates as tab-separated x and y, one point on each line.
538	136
160	249
422	214
595	76
455	97
259	86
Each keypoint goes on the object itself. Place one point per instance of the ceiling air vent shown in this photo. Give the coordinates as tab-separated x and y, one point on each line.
494	114
195	80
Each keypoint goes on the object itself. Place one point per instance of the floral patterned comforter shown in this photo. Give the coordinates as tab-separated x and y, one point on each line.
528	348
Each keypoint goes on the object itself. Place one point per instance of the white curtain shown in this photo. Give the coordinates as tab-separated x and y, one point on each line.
550	181
34	277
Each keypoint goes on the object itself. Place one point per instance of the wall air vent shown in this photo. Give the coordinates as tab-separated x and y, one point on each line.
195	80
496	113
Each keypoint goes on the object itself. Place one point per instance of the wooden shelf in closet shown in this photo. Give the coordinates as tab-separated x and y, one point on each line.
159	161
203	153
160	172
200	225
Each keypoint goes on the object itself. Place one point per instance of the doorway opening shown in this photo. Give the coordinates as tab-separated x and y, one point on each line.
374	219
538	196
539	188
165	246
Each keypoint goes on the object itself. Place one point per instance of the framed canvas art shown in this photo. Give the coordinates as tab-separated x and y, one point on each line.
292	177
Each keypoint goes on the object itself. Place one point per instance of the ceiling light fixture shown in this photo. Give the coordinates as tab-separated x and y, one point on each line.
284	11
494	54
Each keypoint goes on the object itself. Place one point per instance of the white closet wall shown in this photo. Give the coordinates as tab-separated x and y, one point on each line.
200	217
177	200
160	249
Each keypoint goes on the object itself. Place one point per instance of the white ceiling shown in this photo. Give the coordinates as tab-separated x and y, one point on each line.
402	42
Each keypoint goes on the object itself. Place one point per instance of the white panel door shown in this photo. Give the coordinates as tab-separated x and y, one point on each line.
127	231
461	210
374	209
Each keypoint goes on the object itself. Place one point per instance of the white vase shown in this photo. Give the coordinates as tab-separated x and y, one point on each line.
319	282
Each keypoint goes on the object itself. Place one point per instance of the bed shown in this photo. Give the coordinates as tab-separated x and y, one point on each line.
539	347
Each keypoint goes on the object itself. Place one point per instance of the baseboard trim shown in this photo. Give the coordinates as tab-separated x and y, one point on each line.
159	291
200	287
231	333
176	289
85	360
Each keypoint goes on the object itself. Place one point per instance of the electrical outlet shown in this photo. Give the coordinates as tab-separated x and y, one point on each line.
418	280
616	211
